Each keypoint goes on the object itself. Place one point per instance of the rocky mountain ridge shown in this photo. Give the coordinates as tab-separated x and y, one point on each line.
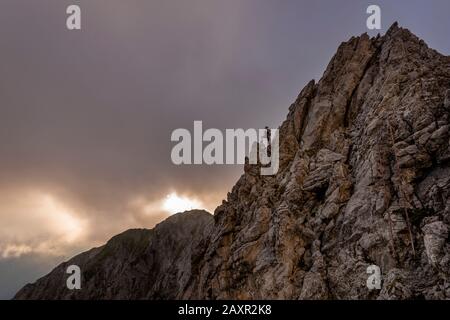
364	179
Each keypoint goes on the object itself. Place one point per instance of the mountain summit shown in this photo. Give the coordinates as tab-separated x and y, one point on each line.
364	180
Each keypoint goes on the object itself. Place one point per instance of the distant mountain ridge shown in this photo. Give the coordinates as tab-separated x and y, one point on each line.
364	180
136	264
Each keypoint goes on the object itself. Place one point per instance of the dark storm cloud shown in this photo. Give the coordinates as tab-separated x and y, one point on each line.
86	116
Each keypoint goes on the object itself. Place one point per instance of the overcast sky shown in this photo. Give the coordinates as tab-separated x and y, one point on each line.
86	116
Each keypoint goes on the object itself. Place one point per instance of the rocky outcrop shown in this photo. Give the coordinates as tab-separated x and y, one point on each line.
364	179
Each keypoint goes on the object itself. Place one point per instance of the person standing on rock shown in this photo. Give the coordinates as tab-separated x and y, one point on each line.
269	141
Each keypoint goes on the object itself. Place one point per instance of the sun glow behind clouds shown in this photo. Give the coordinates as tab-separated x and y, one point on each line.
174	203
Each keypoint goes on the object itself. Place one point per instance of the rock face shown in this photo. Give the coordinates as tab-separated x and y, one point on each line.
364	179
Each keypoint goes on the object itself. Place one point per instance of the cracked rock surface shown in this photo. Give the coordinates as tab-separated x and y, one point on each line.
364	179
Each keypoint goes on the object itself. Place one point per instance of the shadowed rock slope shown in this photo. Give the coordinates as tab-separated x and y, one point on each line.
136	264
364	179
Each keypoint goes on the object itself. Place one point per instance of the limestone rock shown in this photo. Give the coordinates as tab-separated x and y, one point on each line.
137	264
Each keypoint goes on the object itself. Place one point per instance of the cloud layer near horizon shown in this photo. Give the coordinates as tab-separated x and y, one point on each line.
86	117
